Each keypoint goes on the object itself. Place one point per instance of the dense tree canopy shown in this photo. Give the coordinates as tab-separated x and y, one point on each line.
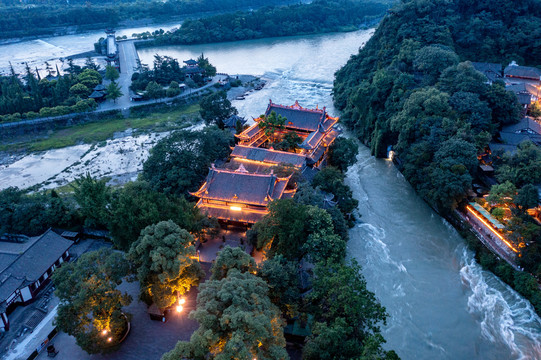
413	87
216	108
165	262
90	306
180	162
236	319
136	206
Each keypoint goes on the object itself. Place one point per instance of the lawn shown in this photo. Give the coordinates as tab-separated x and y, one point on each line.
101	130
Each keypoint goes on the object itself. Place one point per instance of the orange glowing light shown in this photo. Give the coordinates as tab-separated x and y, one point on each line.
179	308
491	229
104	332
235	208
182	301
109	339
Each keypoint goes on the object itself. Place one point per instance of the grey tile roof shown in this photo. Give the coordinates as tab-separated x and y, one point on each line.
30	265
268	156
492	71
523	72
242	187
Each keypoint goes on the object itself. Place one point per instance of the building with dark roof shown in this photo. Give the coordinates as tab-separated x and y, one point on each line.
25	269
526	129
527	93
492	71
231	122
516	72
314	126
239	196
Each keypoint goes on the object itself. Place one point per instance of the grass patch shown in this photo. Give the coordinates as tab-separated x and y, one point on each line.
101	130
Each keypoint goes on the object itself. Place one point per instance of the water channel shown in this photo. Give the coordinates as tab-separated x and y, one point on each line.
441	304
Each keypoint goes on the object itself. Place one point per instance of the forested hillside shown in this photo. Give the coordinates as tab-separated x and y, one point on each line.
37	17
317	17
412	87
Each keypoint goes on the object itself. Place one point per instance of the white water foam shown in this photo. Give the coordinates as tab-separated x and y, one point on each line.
506	316
376	236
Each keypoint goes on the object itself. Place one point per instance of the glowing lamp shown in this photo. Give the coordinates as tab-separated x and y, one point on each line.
109	339
179	308
181	301
104	332
235	208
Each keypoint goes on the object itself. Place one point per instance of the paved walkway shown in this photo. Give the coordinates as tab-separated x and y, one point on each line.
148	339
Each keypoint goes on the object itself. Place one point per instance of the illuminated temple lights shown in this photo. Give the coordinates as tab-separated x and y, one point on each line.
491	228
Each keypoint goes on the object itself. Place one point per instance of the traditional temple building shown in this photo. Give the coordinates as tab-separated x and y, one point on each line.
314	126
260	160
240	196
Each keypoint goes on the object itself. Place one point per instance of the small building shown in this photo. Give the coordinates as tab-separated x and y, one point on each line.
190	63
515	73
26	268
527	93
238	196
314	126
512	135
231	122
100	87
98	96
492	71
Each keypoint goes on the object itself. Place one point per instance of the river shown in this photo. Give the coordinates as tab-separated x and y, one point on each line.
441	304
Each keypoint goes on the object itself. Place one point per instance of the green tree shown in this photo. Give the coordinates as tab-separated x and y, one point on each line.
527	197
173	89
216	108
502	194
271	124
113	91
164	257
290	141
204	64
154	90
343	153
288	226
93	197
331	180
231	258
180	162
282	278
236	321
90	306
111	73
79	90
347	314
137	206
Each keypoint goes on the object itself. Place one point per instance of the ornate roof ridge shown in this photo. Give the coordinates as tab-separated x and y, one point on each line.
297	106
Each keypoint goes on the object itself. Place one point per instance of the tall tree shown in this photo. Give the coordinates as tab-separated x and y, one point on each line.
180	162
113	91
93	197
164	257
271	124
111	73
216	108
90	306
236	321
137	206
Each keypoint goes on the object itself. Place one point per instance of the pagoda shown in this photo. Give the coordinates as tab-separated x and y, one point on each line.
314	126
240	196
240	191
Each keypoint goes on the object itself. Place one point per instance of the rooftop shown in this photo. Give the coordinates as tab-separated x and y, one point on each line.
300	118
268	156
241	186
514	70
31	264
